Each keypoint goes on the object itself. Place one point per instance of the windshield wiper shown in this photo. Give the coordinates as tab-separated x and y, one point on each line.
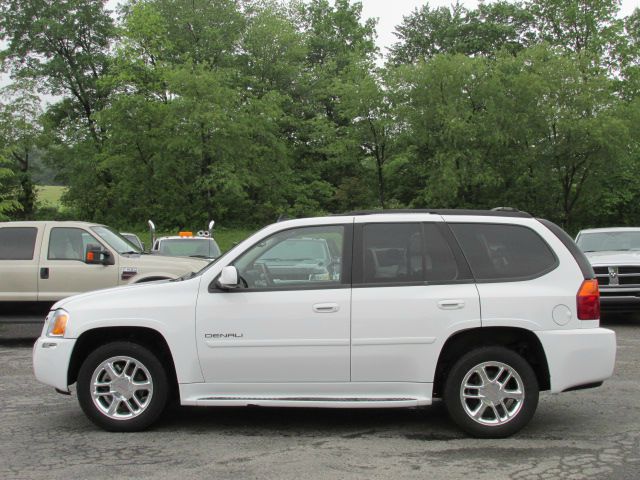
131	252
186	276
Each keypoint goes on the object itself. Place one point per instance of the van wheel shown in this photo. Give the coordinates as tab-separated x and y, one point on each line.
122	387
491	392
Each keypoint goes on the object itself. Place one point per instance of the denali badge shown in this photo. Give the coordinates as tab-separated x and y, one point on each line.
223	335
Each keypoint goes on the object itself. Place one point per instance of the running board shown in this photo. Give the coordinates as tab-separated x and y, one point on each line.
314	402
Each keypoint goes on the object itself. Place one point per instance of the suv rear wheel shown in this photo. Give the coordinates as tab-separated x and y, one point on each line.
491	392
122	386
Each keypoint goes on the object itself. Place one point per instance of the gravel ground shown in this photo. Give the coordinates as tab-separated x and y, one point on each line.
577	435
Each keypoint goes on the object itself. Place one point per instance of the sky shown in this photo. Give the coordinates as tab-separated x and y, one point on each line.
389	14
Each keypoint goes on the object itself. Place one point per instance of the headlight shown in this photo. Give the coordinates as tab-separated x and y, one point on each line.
57	323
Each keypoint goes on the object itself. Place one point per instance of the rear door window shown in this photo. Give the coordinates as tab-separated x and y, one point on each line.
17	243
392	253
498	252
405	254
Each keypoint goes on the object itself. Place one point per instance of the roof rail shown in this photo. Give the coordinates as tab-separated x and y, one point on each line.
496	212
504	209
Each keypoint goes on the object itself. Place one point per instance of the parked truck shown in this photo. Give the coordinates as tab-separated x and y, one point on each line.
47	261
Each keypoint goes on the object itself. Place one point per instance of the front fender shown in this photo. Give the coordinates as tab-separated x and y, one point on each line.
166	307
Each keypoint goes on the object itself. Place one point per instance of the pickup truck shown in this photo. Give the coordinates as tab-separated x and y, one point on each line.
47	261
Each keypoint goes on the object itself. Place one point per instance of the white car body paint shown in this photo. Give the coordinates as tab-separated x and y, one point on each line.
340	347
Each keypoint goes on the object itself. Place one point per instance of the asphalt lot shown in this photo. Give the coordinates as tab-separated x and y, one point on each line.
586	434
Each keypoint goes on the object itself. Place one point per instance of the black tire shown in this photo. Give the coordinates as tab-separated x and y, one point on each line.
480	428
156	402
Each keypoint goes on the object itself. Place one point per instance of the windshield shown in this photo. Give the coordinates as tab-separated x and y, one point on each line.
192	247
115	240
133	239
609	241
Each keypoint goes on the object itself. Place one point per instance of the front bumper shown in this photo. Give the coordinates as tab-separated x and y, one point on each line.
619	301
51	358
578	357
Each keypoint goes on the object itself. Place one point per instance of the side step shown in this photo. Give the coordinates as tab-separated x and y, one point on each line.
315	402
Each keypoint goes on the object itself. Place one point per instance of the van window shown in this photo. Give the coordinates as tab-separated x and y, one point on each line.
17	243
499	252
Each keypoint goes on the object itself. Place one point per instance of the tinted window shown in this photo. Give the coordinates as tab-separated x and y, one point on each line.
17	243
70	243
440	263
400	253
503	252
392	253
299	258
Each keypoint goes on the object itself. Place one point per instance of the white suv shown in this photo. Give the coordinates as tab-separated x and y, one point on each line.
483	309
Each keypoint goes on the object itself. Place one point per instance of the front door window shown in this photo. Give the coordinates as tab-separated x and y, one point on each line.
308	257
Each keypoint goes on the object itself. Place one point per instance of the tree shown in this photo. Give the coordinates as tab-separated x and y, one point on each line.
456	30
578	26
8	202
365	99
64	45
19	135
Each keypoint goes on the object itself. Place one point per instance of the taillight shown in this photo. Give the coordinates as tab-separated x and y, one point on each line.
589	300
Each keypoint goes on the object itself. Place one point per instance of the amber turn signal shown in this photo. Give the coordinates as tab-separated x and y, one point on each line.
59	324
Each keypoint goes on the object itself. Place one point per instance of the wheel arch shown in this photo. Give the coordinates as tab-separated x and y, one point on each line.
520	340
148	337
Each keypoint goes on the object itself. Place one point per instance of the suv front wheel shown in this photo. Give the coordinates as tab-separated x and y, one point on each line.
122	387
491	392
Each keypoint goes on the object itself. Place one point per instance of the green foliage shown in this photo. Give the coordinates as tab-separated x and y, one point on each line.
8	202
242	110
428	32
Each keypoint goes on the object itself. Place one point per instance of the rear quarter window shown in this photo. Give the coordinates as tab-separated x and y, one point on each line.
499	252
17	243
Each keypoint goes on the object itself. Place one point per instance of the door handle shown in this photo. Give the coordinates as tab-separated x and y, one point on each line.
326	307
451	304
44	273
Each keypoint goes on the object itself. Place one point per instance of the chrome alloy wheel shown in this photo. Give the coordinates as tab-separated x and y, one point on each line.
121	387
492	393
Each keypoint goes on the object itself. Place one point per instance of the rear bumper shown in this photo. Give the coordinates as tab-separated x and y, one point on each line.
578	357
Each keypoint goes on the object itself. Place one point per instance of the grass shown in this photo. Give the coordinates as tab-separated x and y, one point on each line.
49	195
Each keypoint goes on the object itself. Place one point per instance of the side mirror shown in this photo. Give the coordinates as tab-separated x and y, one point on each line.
228	278
95	255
